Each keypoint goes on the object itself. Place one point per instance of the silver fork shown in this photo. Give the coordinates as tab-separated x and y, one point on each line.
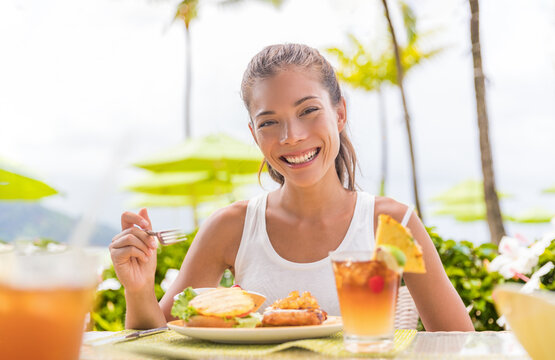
168	237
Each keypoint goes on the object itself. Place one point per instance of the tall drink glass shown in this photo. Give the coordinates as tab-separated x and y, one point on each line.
44	298
367	291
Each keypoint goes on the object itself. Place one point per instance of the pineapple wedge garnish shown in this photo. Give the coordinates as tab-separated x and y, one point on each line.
390	232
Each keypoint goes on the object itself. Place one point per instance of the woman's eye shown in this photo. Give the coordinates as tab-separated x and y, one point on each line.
265	123
309	110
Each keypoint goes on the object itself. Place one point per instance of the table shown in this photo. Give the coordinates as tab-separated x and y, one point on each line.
426	345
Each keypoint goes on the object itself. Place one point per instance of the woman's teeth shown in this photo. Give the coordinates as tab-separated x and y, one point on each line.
301	159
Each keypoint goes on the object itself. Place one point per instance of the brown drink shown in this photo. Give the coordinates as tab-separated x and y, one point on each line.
44	298
42	324
367	291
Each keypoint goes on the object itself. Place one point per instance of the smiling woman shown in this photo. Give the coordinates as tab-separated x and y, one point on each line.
300	89
280	241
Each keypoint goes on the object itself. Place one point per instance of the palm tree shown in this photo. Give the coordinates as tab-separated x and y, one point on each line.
400	75
493	211
187	10
365	70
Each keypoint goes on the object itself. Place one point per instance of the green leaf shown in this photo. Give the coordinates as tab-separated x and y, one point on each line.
181	308
106	325
454	271
250	321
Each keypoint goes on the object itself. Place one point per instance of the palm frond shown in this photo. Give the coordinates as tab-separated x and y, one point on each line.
409	21
187	10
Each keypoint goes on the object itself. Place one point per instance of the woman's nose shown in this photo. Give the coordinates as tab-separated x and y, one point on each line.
293	131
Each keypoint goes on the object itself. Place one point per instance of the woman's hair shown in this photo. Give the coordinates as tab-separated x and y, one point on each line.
275	58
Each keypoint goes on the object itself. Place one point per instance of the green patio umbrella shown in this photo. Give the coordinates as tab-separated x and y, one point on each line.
196	171
177	189
534	216
16	184
468	191
465	202
218	152
466	212
151	200
192	184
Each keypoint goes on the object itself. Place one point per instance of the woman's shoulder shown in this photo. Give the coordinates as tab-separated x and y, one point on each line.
391	207
231	217
228	222
221	233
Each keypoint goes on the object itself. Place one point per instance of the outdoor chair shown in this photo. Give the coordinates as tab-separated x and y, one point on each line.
406	314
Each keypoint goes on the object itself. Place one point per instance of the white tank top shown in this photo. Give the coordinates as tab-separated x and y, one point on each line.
258	267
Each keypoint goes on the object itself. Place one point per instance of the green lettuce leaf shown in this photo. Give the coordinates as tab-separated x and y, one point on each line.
181	308
249	321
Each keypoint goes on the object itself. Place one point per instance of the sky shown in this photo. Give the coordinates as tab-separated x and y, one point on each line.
89	87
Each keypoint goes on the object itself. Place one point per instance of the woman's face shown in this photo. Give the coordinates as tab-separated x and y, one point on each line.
296	126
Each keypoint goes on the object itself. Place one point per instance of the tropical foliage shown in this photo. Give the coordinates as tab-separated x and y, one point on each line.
109	312
369	67
466	267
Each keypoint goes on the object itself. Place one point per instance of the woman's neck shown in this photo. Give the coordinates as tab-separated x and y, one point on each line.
315	201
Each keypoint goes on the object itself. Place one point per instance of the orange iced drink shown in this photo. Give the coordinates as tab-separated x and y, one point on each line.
42	323
44	297
367	285
367	291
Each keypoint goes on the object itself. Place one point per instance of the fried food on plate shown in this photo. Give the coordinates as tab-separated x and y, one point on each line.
294	301
294	310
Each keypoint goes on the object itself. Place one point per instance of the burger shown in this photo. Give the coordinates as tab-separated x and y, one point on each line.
294	310
219	307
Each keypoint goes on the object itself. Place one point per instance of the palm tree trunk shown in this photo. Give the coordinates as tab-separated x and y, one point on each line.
383	131
405	109
195	215
187	83
495	221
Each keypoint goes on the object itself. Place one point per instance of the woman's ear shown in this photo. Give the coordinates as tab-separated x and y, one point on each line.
341	114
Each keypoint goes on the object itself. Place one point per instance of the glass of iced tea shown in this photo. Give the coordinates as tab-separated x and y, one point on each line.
367	290
44	297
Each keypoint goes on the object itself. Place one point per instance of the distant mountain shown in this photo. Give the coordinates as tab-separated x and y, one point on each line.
30	220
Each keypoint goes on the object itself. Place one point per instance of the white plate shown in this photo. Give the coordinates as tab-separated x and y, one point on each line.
262	335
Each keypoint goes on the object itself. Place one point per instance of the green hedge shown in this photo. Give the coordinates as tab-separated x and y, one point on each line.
463	262
465	265
109	313
109	310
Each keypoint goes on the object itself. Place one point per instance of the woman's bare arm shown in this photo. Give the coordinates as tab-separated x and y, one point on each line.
439	304
211	253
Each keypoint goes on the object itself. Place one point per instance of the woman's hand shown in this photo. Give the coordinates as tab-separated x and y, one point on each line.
133	252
